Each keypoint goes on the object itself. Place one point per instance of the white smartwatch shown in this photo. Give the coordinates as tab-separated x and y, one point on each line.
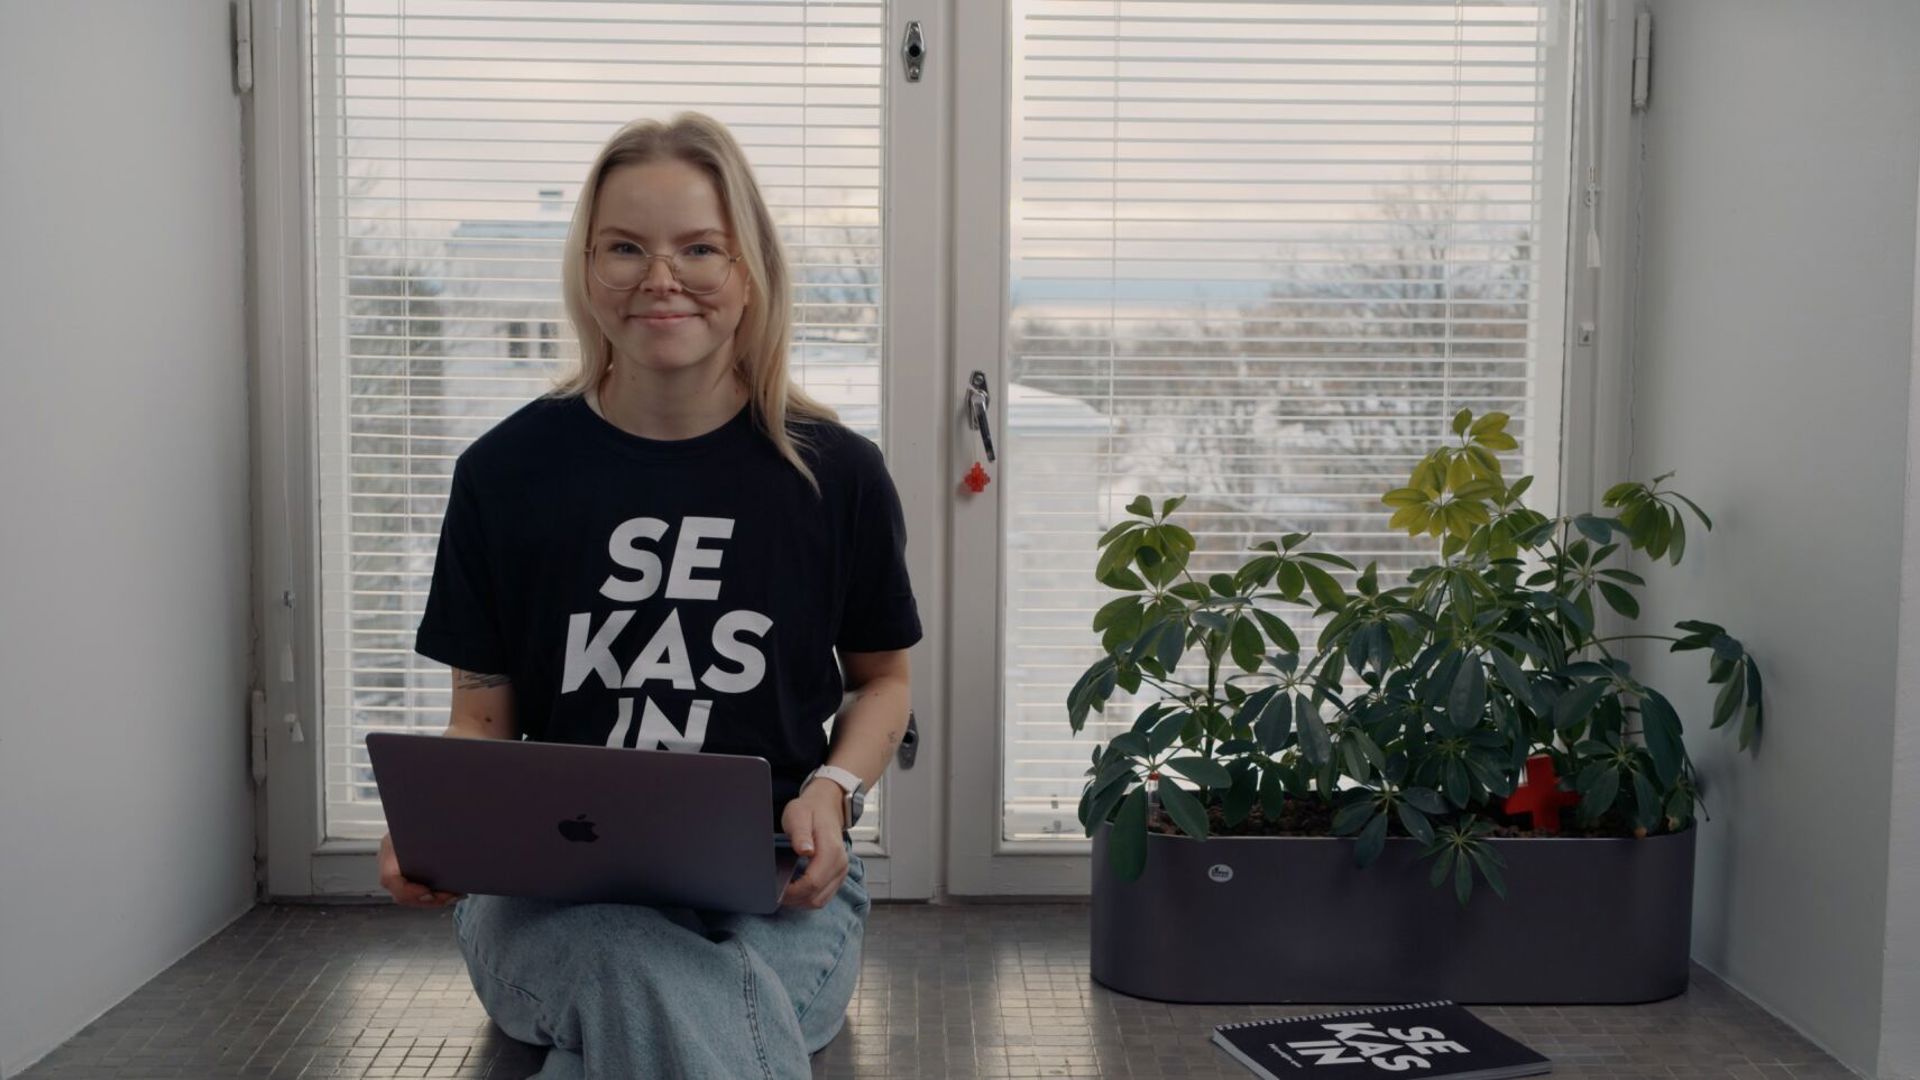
855	788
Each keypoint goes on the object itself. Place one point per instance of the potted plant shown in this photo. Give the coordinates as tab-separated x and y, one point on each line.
1335	793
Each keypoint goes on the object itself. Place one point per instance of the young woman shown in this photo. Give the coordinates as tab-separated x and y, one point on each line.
667	552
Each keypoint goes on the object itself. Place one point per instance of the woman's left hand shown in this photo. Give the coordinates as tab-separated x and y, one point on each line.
812	822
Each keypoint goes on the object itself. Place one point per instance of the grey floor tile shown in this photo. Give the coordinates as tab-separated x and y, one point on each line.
961	991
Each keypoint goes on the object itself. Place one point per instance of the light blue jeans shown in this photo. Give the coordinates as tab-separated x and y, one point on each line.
633	992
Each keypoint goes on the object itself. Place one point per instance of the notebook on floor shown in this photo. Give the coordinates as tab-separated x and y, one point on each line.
1429	1039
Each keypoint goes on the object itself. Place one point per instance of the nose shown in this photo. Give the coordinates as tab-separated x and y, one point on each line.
659	276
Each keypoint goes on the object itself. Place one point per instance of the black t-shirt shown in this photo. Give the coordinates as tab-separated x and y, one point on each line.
669	594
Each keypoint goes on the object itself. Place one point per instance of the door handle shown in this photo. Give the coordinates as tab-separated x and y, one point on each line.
979	398
909	743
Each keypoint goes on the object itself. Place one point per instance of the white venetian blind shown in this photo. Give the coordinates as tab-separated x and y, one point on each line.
1261	252
451	138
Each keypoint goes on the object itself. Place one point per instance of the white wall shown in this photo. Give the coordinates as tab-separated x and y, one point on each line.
1775	336
1900	1004
126	821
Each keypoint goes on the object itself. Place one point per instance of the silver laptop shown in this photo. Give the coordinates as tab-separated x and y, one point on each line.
560	821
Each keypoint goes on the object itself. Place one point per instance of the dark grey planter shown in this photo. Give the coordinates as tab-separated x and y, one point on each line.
1280	919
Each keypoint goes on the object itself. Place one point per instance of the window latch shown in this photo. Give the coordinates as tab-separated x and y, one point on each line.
914	51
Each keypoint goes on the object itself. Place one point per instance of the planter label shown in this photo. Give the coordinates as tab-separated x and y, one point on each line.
1220	872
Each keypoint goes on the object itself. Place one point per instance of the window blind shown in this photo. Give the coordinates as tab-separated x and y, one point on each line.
451	138
1261	252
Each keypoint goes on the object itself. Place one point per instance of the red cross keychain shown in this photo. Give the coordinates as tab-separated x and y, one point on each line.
1540	795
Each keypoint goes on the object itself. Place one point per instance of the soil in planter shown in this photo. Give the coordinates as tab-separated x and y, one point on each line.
1311	817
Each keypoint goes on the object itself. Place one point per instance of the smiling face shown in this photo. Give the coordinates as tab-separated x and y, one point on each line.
658	326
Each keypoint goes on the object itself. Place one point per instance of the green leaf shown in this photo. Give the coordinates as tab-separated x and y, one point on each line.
1246	644
1441	866
1620	599
1661	729
1118	554
1462	420
1484	859
1728	701
1467	702
1368	583
1129	743
1212	620
1123	527
1372	840
1462	881
1290	580
1183	808
1203	771
1350	818
1646	804
1171	505
1274	721
1527	647
1513	678
1493	421
1355	760
1277	630
1100	807
1141	506
1704	519
1127	847
1238	803
1315	743
1677	544
1166	731
1575	705
1455	783
1415	823
1170	644
1114	610
1325	589
1122	578
1751	718
1599	798
1425	799
1597	529
1273	795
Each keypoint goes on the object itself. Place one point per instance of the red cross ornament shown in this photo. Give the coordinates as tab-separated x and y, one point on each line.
976	479
1540	795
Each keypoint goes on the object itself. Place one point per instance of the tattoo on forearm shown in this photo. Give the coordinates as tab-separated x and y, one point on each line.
473	680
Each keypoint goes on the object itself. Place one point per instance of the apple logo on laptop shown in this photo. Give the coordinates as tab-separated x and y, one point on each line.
579	829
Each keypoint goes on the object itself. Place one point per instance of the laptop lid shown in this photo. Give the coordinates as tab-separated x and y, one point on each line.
561	821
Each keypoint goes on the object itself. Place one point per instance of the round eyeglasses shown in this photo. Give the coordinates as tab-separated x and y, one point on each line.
699	268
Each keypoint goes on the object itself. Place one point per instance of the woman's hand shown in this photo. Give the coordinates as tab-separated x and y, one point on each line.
407	893
813	822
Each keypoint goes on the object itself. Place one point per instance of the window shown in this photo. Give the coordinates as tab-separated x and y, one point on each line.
1261	253
450	137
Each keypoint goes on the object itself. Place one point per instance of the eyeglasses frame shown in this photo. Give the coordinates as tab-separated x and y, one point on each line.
673	269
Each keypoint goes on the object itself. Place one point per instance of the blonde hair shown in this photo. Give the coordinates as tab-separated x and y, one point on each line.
766	325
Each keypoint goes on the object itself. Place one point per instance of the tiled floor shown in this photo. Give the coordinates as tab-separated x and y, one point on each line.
955	990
